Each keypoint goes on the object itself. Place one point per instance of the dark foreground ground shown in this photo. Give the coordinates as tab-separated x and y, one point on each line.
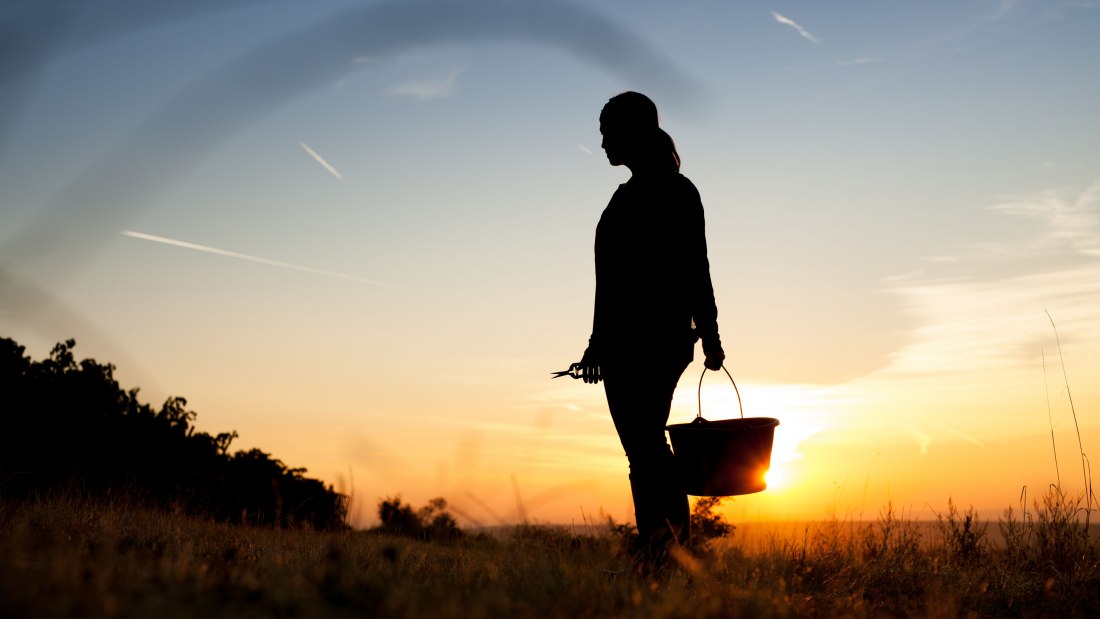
65	558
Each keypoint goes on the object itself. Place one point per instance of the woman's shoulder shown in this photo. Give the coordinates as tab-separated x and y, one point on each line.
672	188
684	181
669	180
683	186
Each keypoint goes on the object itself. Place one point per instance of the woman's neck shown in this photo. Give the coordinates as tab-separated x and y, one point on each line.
643	171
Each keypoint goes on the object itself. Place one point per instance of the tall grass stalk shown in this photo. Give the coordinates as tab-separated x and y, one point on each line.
1086	468
1050	422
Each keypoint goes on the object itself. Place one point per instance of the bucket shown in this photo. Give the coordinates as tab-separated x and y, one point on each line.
725	457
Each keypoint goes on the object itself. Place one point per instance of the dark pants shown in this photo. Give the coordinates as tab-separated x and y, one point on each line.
639	396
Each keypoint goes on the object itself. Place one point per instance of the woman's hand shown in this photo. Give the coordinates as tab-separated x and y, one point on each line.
588	367
714	356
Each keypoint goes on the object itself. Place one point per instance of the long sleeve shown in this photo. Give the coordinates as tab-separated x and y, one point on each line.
704	310
598	317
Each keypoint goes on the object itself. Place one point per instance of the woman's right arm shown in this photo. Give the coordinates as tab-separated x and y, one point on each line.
589	365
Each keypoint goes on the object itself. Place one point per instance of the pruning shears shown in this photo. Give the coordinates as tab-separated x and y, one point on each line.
574	372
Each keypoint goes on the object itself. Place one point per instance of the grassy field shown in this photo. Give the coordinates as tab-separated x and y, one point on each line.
65	558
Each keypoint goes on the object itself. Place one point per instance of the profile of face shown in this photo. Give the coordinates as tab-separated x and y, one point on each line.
618	143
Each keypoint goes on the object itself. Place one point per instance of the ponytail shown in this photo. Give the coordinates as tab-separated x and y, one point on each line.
666	146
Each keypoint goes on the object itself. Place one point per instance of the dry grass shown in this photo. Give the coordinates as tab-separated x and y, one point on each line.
63	558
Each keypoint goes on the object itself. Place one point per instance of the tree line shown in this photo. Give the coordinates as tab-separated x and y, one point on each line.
68	426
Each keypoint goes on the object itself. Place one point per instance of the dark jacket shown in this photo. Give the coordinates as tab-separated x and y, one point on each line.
652	273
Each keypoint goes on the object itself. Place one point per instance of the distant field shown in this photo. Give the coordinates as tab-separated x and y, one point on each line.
80	559
761	535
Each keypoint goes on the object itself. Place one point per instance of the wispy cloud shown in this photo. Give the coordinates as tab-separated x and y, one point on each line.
968	322
435	87
1073	222
787	21
857	61
232	254
959	433
923	439
584	149
321	160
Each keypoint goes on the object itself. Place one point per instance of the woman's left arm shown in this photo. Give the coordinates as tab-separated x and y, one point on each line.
704	310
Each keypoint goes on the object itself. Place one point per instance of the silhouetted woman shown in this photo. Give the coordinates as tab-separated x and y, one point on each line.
652	287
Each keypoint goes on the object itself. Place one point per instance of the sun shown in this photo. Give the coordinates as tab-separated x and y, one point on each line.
803	411
777	477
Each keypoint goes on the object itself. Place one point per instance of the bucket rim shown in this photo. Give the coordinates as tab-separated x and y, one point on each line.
745	422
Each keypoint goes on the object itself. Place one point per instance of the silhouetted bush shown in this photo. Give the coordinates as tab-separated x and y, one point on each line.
431	522
705	523
69	426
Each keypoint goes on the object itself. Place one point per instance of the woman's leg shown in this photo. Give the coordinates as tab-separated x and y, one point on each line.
639	398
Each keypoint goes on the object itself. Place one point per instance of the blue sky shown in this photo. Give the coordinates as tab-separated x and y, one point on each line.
895	191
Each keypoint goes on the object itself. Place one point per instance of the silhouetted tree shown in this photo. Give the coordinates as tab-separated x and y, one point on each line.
69	426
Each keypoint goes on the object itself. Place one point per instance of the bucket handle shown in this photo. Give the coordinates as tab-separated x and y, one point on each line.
699	417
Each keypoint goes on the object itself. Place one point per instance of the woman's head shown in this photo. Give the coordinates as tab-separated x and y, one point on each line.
632	135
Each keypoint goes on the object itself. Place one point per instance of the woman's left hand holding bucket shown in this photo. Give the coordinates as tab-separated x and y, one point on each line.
714	357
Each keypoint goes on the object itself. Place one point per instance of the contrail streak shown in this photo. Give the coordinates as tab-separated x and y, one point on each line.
267	261
321	160
787	21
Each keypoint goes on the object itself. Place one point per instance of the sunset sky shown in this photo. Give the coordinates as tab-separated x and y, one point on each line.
360	234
